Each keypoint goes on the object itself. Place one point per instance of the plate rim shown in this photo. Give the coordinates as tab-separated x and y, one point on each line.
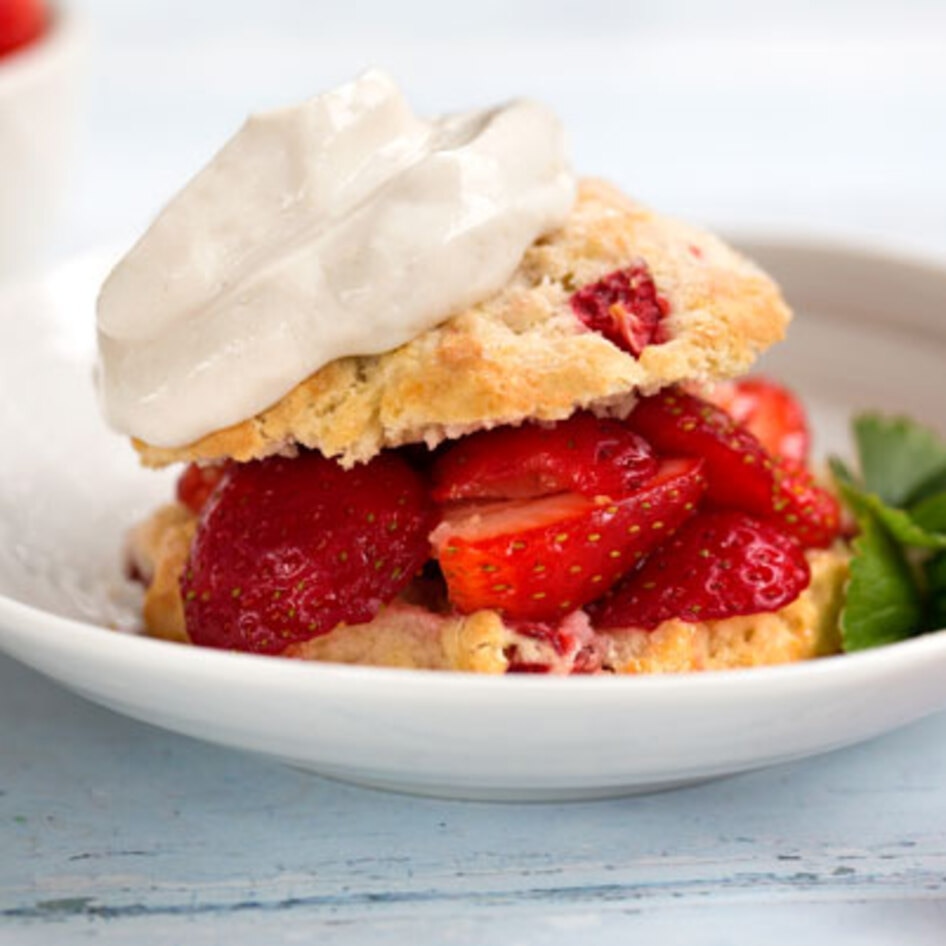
15	615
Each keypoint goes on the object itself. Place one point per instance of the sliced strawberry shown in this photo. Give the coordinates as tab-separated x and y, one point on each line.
741	474
538	559
624	307
287	549
574	646
196	483
524	666
584	454
558	640
803	508
770	412
718	565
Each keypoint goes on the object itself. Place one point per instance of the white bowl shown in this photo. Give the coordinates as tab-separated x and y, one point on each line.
870	331
40	92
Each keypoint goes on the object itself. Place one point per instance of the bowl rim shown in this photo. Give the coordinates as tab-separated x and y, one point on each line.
129	648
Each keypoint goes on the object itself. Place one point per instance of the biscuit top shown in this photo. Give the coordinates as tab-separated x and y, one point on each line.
523	353
344	226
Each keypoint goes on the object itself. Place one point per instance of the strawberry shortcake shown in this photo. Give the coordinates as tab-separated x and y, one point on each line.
439	406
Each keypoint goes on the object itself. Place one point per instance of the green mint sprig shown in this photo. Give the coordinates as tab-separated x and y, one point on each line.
897	587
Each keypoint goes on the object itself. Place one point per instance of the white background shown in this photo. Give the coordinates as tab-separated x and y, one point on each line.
817	117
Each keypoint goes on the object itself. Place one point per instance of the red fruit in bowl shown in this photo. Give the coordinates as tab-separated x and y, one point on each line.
287	549
572	646
720	564
624	307
741	474
21	22
583	454
537	559
196	483
803	508
770	412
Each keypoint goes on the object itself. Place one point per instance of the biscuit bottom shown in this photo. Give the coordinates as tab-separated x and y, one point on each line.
410	635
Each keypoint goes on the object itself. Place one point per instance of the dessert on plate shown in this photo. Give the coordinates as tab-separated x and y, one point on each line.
440	405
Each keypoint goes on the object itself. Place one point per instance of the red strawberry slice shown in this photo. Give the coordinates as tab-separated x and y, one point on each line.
808	512
541	558
770	412
741	474
555	636
624	307
584	454
287	549
718	565
575	647
196	483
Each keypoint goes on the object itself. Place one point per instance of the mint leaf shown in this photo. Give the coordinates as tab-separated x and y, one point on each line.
903	526
935	570
935	485
930	514
842	472
898	570
883	602
898	456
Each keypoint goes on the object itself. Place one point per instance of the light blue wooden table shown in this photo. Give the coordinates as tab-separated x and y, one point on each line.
115	832
824	118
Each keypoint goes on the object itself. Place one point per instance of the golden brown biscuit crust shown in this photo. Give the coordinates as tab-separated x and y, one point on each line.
158	550
522	353
409	636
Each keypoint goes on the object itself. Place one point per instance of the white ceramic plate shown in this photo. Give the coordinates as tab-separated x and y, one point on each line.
871	331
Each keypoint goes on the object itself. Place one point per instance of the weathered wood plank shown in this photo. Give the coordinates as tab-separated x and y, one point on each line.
109	825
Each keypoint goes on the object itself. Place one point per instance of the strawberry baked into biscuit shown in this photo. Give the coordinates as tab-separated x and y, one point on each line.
441	407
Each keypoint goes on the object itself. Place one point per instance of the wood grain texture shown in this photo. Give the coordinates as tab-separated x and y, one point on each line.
112	829
818	120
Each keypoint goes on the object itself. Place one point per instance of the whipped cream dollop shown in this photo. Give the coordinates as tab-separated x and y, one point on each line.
344	226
